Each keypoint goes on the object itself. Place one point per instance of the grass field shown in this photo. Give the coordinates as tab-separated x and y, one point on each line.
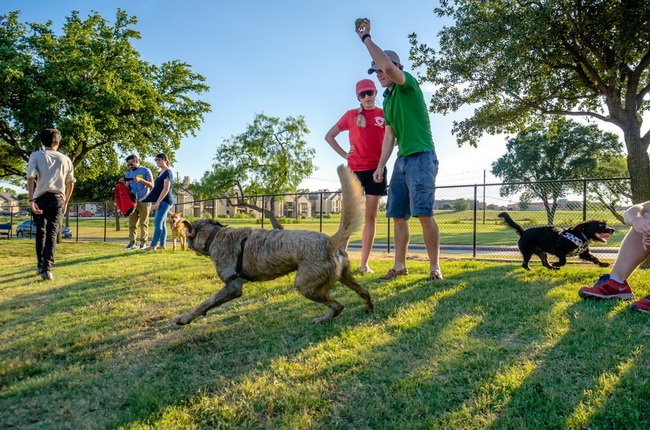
491	346
456	228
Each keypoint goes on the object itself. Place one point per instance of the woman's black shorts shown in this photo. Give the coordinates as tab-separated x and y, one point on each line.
371	187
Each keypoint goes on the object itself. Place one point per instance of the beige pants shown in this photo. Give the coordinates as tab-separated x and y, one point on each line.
140	214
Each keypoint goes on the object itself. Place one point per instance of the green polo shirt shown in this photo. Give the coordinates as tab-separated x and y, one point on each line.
406	112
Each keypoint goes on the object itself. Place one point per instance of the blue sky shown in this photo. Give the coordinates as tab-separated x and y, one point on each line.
281	58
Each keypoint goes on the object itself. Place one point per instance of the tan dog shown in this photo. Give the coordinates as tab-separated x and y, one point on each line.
246	254
178	230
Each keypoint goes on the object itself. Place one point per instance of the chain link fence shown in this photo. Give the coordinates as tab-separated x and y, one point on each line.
467	215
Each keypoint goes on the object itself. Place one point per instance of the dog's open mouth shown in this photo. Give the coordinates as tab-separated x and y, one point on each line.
602	237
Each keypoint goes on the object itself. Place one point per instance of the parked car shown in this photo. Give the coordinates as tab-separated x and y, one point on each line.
73	213
27	228
86	213
99	214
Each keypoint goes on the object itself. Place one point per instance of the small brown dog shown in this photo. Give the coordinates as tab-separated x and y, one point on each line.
178	230
246	254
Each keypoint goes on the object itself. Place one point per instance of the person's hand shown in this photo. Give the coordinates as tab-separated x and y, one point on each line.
136	179
642	225
364	28
156	205
378	176
35	209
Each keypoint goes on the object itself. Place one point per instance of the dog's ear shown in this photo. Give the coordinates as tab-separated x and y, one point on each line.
190	231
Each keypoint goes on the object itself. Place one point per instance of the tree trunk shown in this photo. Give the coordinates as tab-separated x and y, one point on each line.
638	163
270	215
550	210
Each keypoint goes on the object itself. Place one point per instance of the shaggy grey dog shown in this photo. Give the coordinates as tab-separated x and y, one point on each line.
245	254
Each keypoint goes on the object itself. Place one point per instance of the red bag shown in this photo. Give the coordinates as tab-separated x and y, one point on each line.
124	199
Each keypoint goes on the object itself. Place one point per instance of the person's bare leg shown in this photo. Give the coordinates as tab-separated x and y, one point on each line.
369	228
402	236
431	236
630	255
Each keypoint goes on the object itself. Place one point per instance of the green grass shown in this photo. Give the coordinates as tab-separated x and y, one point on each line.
492	346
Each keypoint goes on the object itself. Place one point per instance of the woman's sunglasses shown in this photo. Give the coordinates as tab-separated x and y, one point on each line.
368	93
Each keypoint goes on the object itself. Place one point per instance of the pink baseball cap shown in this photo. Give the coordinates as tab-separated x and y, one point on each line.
365	85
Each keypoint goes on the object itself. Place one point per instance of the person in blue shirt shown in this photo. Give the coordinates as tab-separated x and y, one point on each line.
139	180
162	199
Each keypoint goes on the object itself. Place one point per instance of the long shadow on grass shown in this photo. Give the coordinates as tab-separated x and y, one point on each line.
424	352
30	271
99	355
443	340
427	351
595	376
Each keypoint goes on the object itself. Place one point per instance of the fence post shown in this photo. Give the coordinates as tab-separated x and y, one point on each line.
475	221
388	235
584	200
77	221
321	212
263	207
105	220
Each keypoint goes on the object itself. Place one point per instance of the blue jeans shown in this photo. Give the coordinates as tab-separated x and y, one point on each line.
160	224
412	186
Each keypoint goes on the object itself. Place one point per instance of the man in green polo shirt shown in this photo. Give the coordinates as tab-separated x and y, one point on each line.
412	184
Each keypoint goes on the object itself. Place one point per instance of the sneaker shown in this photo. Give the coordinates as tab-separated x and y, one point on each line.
607	289
642	305
143	245
365	270
130	246
38	270
47	276
392	274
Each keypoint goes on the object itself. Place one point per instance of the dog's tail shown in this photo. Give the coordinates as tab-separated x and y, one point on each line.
511	223
352	208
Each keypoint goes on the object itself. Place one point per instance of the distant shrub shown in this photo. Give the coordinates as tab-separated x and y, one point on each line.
283	220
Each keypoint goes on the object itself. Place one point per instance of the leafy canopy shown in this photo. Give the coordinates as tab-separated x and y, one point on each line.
563	151
270	157
517	61
90	83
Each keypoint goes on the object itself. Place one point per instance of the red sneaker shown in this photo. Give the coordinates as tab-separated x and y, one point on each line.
609	289
642	305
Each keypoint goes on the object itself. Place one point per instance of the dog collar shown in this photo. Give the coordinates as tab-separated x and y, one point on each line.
581	244
213	233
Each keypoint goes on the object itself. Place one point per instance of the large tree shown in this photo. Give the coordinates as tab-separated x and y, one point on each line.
612	190
270	157
90	82
563	151
519	59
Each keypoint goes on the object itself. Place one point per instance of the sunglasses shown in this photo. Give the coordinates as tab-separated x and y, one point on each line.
368	93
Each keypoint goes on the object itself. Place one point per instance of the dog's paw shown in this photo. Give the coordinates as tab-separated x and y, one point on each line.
554	267
601	264
182	320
